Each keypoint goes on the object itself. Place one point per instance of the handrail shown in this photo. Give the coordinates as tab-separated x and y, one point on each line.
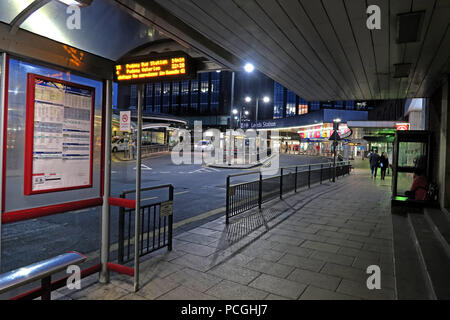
314	164
244	173
241	196
39	271
148	189
286	167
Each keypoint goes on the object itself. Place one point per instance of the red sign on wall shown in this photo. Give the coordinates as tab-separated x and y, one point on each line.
402	126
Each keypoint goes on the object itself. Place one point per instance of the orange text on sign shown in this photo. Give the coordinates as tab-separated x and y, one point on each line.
151	69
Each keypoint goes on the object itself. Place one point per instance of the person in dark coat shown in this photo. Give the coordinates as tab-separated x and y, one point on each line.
374	158
384	164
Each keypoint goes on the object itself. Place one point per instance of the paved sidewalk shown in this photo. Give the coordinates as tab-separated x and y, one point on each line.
315	244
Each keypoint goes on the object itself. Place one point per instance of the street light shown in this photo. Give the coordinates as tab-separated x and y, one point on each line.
249	67
265	99
248	99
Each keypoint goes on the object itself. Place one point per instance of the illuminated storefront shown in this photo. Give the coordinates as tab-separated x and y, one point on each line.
321	131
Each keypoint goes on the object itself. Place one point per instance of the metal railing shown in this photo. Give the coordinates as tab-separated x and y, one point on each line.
43	271
149	149
243	196
247	157
156	222
146	150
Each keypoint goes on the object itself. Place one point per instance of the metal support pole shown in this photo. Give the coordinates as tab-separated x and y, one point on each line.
104	255
256	115
309	176
169	245
46	288
3	90
281	183
231	117
260	191
295	182
137	219
120	250
321	167
227	212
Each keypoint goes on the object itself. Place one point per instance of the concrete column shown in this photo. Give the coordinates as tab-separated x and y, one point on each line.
444	148
3	138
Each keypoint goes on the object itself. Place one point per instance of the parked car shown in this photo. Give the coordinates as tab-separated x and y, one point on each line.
204	145
119	145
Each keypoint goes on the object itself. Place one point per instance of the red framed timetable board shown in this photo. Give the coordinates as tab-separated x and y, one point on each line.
59	135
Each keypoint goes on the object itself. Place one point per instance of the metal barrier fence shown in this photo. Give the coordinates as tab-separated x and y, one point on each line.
146	150
156	221
247	157
241	197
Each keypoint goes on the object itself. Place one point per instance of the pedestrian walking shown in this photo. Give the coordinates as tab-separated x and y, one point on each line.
384	165
374	159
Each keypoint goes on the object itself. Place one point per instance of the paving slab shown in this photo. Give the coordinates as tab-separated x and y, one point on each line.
278	286
228	290
315	278
315	244
313	293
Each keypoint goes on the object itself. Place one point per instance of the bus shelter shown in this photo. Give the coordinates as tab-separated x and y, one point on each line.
56	104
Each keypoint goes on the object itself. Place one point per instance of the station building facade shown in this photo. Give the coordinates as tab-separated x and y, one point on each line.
208	98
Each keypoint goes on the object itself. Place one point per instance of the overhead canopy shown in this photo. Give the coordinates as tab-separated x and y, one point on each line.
106	29
322	50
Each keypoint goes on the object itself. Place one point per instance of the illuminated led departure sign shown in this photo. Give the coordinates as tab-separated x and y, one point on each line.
159	68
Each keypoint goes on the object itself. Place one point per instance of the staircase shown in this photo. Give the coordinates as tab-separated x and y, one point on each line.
422	255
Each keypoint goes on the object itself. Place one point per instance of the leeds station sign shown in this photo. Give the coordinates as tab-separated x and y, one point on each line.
155	68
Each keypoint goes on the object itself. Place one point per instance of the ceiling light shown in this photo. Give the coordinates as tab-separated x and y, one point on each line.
249	67
79	3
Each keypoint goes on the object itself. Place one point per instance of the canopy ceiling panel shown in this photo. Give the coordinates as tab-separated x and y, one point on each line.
323	50
9	9
105	29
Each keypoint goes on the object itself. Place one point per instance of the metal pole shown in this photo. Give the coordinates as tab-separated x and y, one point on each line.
2	139
104	255
321	166
296	174
227	212
231	115
334	158
309	176
260	191
46	288
169	245
240	118
138	189
281	183
256	115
